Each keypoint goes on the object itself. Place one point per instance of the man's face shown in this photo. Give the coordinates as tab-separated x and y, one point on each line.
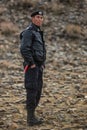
37	20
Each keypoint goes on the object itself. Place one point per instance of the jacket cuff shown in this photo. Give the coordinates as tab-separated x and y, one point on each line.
31	63
44	64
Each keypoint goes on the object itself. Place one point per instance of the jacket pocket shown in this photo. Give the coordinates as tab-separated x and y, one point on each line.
38	55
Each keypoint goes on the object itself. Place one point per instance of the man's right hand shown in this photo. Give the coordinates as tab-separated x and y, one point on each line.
33	66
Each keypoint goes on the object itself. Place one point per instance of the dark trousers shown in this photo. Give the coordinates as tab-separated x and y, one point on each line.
33	85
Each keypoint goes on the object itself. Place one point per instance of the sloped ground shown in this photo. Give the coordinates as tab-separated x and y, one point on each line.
64	99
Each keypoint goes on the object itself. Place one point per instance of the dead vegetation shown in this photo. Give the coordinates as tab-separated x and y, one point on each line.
55	7
74	31
8	28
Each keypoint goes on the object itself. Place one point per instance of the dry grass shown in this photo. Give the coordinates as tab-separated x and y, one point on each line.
8	64
74	30
70	28
56	6
28	2
24	3
70	1
7	28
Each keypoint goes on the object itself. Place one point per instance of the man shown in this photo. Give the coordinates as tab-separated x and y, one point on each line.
34	54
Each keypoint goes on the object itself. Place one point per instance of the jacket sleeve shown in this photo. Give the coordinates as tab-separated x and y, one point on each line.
26	47
44	47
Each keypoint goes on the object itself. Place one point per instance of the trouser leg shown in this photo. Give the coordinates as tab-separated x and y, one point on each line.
31	98
33	86
40	85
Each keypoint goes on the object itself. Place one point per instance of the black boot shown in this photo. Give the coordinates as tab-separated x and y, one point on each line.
31	119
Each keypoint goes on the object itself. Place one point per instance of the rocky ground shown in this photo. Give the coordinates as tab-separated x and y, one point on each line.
63	104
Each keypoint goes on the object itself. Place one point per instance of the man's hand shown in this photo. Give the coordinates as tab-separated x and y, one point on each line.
33	66
42	66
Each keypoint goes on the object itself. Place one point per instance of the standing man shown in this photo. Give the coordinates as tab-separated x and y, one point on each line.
34	53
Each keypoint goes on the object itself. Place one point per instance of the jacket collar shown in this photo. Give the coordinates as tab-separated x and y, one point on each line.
35	27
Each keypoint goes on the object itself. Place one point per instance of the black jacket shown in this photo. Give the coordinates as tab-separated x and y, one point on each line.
33	46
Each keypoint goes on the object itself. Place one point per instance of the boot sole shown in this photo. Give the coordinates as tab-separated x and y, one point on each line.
33	124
